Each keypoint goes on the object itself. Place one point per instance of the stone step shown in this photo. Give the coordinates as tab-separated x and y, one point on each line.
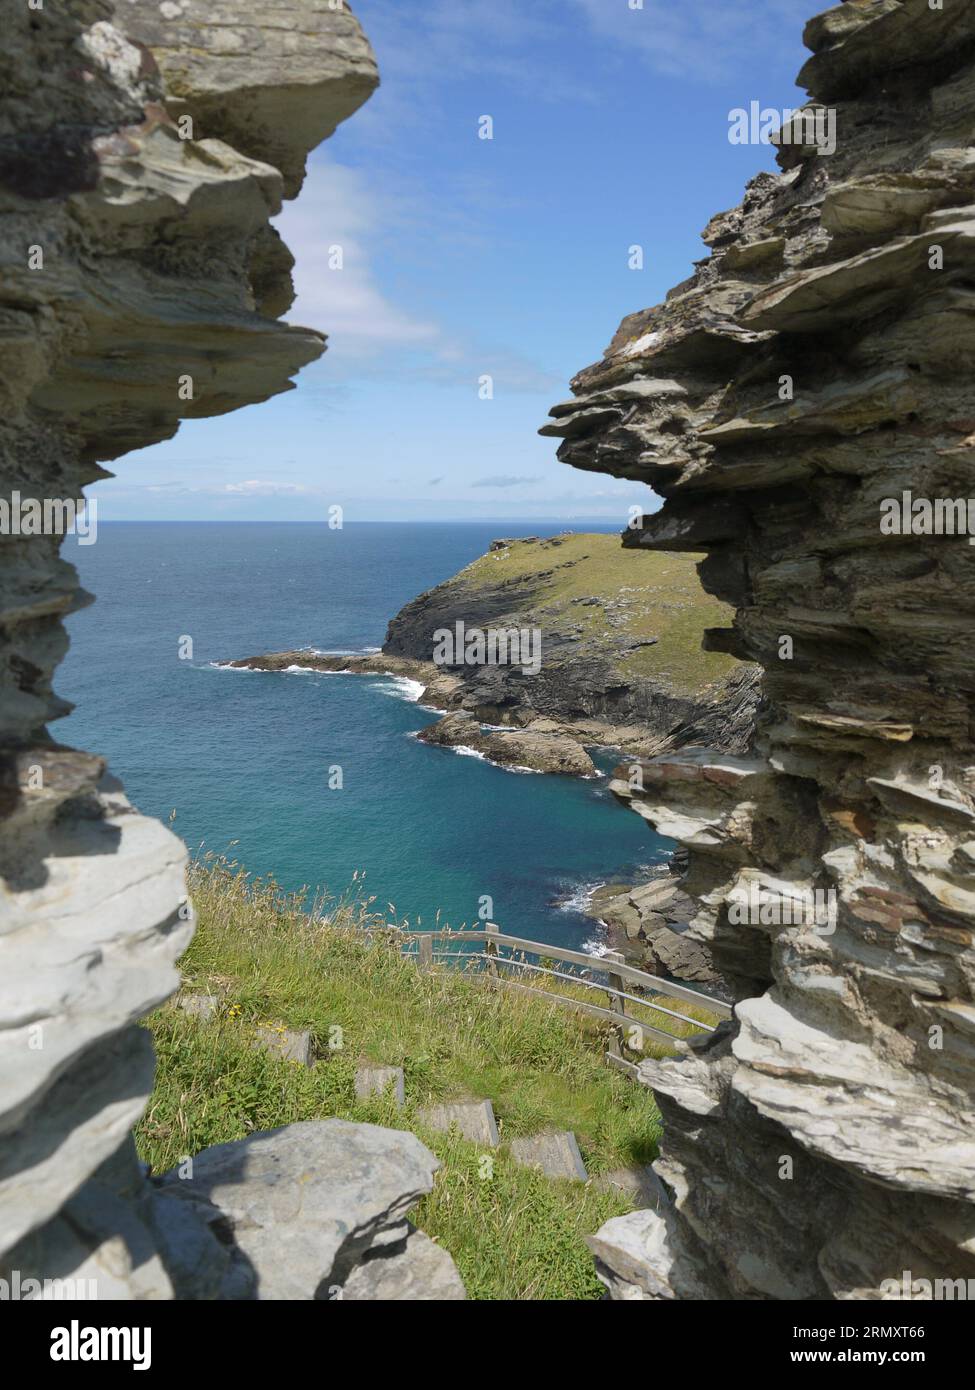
285	1042
201	1006
473	1118
555	1154
372	1081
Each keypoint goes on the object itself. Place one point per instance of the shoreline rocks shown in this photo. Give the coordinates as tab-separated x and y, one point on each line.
650	923
541	747
593	687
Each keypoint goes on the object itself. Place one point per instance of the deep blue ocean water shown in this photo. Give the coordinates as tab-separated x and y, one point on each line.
243	757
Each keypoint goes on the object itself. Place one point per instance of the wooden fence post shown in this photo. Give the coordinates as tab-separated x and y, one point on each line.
425	951
617	1038
491	948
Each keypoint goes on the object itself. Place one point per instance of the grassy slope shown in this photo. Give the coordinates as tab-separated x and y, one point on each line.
512	1233
662	595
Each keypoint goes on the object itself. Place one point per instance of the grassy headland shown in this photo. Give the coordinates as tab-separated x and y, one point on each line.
613	597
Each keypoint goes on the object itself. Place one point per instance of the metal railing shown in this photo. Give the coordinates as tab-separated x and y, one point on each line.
625	1009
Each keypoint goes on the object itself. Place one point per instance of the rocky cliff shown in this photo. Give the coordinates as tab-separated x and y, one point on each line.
613	655
143	149
618	644
816	368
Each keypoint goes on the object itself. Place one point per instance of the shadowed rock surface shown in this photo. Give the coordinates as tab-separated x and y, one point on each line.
140	282
818	362
296	1209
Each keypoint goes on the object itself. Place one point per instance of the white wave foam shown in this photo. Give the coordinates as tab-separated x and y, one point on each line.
341	651
403	687
581	897
595	947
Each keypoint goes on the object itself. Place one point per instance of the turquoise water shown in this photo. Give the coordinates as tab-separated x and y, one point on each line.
243	757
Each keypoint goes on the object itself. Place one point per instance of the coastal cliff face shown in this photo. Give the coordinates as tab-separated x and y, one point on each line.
818	363
589	649
618	644
140	282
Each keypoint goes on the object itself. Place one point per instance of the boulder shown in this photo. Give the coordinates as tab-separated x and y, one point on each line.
414	1269
299	1208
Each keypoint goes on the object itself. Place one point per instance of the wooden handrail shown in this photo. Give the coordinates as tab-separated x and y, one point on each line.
612	1014
611	967
611	990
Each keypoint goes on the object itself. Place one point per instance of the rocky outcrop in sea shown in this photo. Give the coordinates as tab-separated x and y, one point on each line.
814	372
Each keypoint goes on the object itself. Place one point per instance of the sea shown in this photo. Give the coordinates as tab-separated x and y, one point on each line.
244	763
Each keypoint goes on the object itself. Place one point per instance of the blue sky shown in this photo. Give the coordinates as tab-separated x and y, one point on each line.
466	257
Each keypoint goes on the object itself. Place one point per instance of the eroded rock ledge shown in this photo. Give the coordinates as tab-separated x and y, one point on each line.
822	1143
140	283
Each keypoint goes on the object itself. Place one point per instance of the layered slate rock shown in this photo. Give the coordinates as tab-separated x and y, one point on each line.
298	1209
140	283
649	924
414	1269
543	745
817	363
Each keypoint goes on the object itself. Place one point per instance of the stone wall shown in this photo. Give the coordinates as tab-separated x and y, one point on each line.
140	282
817	363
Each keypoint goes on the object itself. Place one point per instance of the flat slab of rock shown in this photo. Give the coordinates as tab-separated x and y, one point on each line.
632	1255
201	1006
302	1205
284	1042
372	1081
474	1120
414	1270
556	1155
656	895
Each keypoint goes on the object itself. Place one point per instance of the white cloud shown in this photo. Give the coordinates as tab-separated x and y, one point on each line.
700	40
256	487
367	331
336	209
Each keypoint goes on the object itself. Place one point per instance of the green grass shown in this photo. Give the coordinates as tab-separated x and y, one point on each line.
512	1233
660	594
